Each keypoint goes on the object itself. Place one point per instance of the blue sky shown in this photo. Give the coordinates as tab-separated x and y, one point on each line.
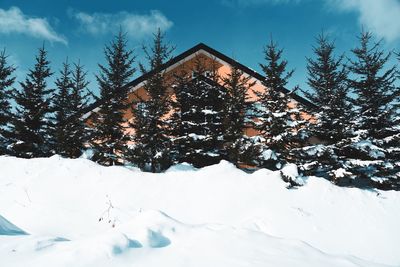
238	28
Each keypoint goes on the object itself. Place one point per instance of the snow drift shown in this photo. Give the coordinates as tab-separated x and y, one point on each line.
82	214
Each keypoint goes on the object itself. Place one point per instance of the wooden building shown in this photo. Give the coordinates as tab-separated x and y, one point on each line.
212	60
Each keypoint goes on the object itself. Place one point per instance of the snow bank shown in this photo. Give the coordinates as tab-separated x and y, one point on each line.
154	239
82	214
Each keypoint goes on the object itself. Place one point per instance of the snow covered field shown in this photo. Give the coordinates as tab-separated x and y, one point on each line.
59	212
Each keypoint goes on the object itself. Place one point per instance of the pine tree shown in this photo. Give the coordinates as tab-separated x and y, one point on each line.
63	110
181	88
327	78
236	114
6	81
109	139
31	127
202	114
375	90
70	132
277	123
377	138
152	146
79	131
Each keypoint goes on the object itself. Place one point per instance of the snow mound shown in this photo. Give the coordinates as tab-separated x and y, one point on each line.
153	229
147	230
7	228
290	174
168	242
182	167
152	238
78	213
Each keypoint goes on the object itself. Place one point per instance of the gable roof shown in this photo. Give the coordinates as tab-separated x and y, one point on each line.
201	47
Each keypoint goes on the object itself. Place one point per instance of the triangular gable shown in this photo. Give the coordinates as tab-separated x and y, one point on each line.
211	53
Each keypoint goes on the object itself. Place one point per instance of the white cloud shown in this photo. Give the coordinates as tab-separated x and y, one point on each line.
382	17
136	25
14	21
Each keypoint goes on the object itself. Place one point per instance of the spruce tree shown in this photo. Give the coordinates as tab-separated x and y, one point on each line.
152	146
109	138
327	80
31	126
277	123
62	110
202	115
72	97
181	88
79	131
329	90
373	84
373	149
6	81
236	118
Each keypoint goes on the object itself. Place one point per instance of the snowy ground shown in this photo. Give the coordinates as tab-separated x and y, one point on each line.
58	212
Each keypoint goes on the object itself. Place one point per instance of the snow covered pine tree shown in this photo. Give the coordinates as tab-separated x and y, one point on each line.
278	124
373	155
152	144
201	101
327	78
237	108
